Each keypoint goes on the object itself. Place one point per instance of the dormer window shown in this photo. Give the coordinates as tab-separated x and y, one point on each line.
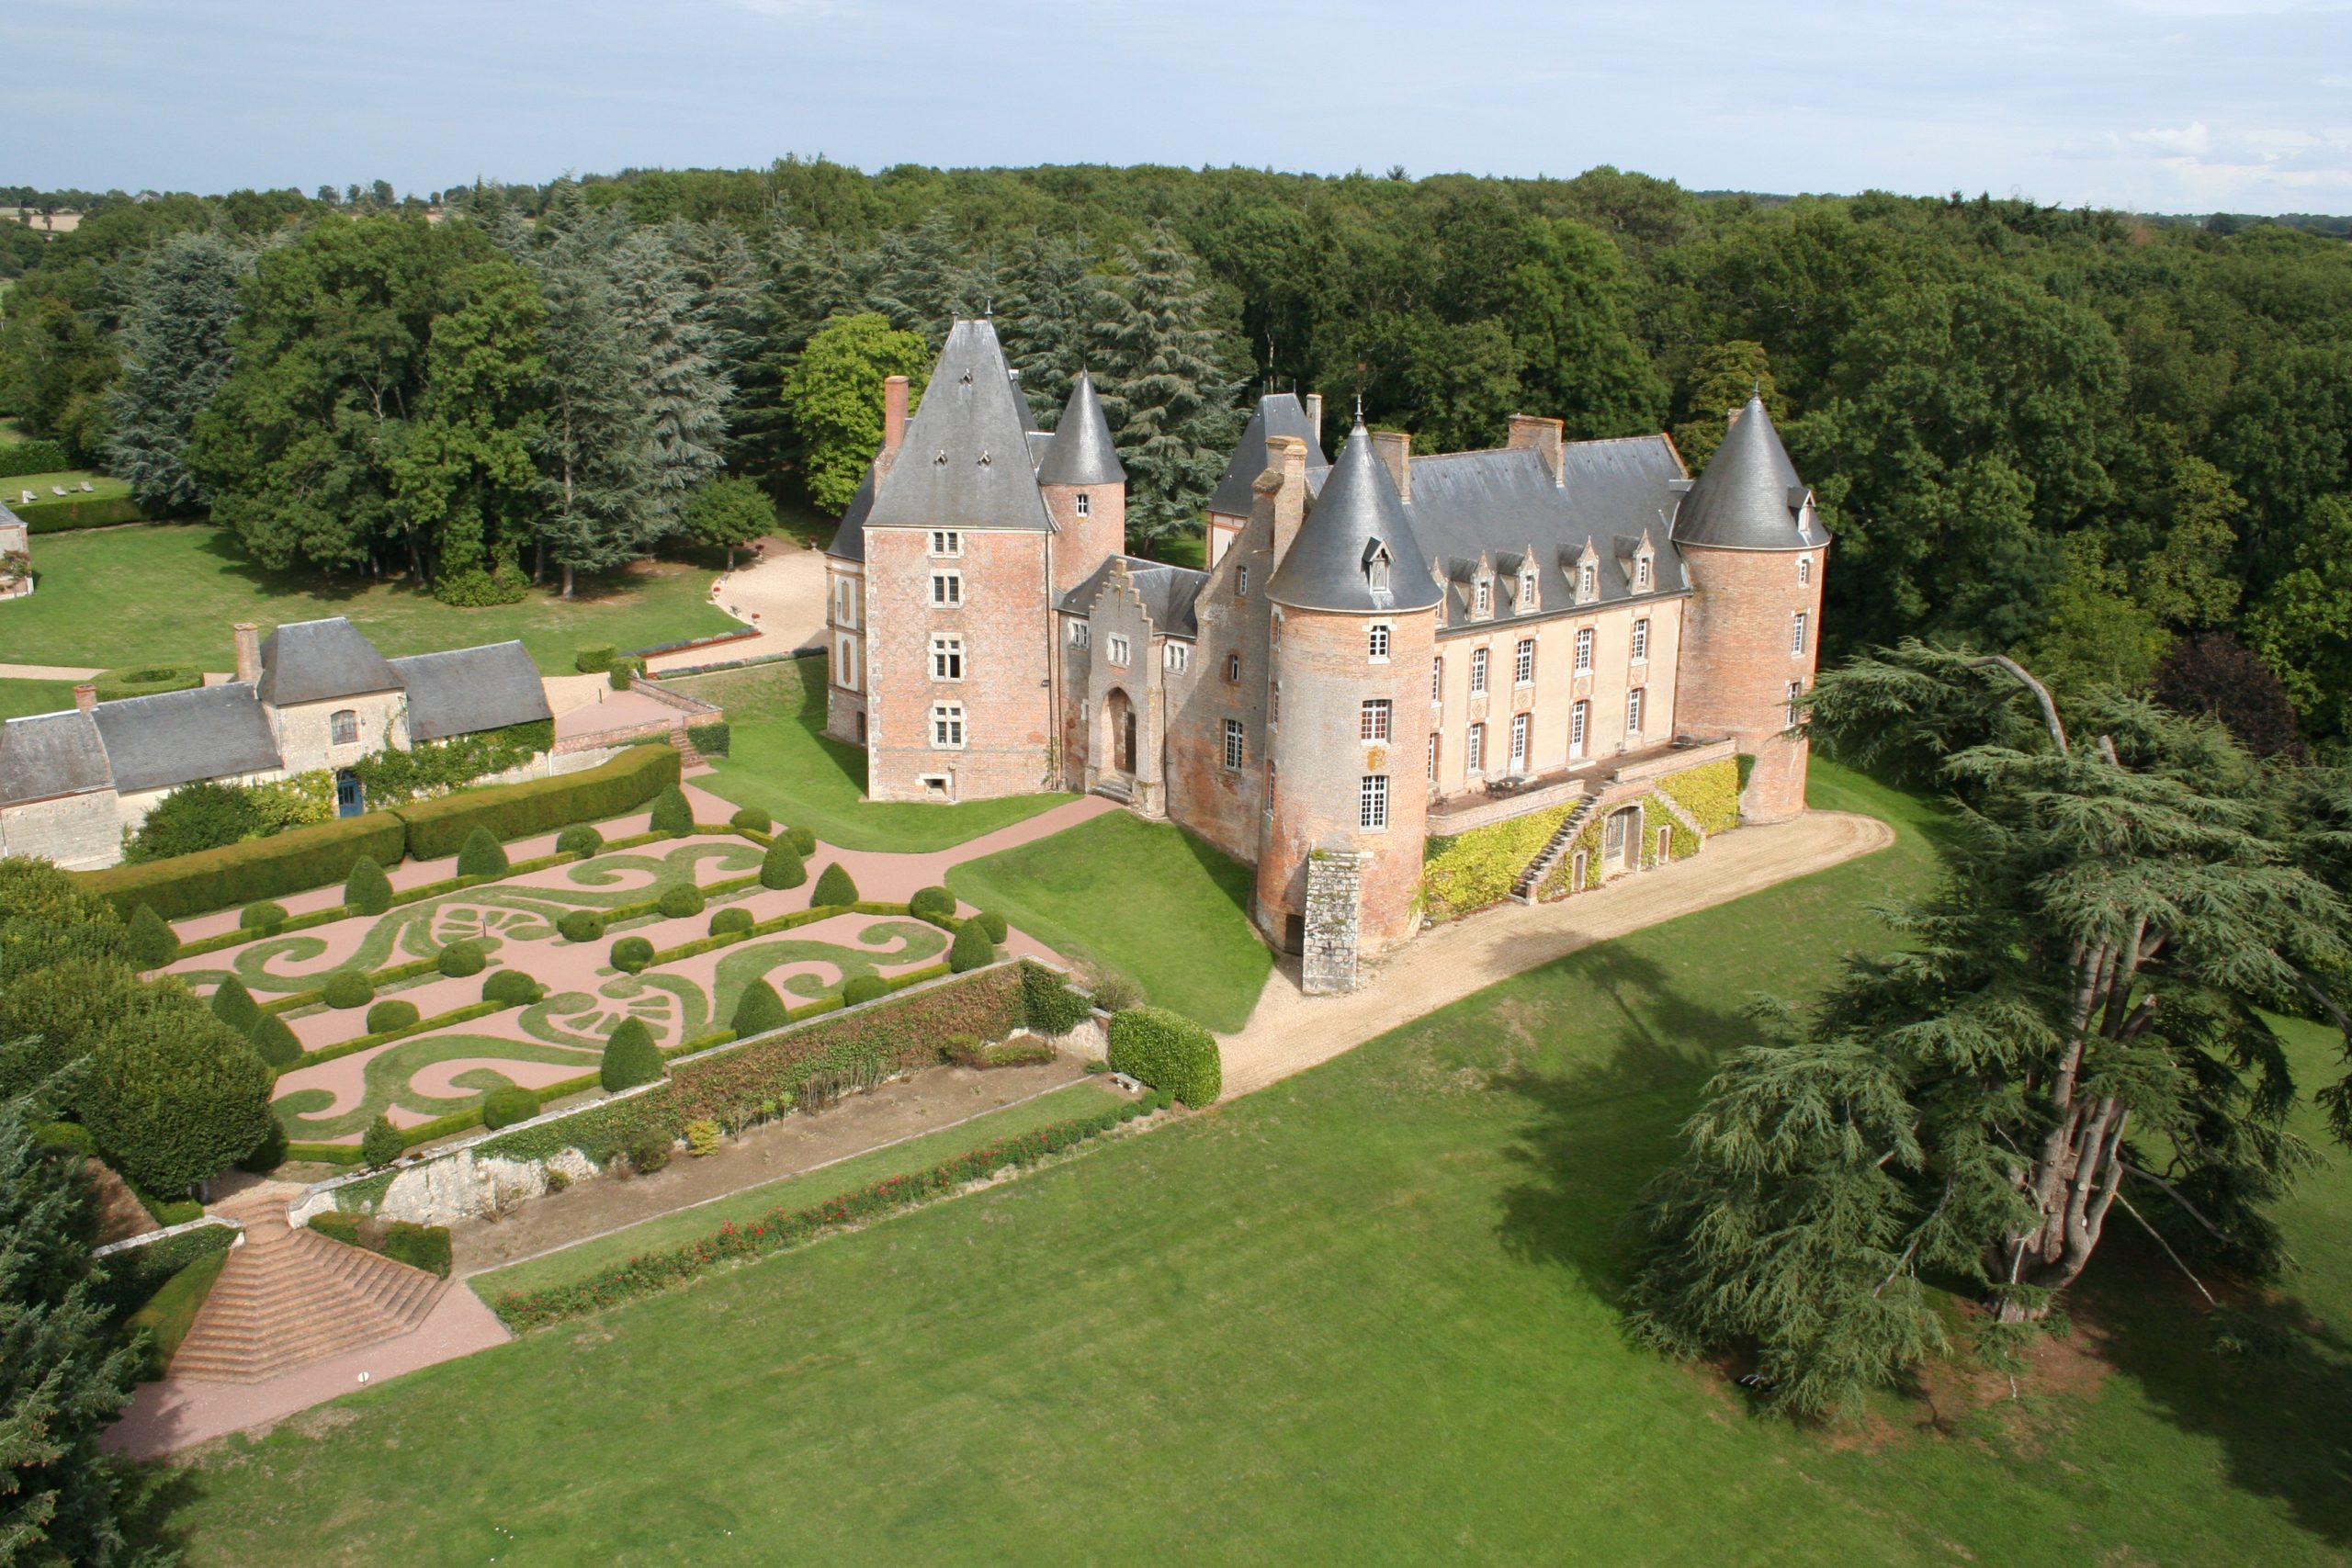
1375	569
1587	583
1484	603
1641	572
1085	504
1526	591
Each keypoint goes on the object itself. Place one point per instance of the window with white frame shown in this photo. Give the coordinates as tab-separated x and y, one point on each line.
1796	634
1376	640
1477	671
1433	743
947	727
1117	651
947	659
1371	802
947	588
1372	724
1474	751
343	726
845	663
1579	722
1519	743
1588	582
1641	641
1584	650
1526	591
1804	571
1274	702
1080	634
1437	680
1486	599
1085	504
1176	656
947	542
1796	703
1641	571
1232	742
1241	580
1233	666
1375	570
1633	712
1522	663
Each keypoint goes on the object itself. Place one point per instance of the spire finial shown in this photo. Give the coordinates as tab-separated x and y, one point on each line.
1756	392
1359	407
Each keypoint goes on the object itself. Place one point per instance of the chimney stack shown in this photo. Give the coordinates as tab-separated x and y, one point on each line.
1315	415
1541	436
86	697
1395	450
894	414
1285	481
248	652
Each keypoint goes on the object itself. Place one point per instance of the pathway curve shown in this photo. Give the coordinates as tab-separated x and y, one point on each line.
1290	1031
782	593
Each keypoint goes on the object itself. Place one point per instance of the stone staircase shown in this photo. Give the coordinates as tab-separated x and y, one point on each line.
1115	786
1549	855
289	1297
689	755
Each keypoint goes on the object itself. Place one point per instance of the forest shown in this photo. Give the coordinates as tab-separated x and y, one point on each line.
2115	446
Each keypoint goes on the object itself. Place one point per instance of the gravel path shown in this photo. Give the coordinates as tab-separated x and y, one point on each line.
782	593
1290	1031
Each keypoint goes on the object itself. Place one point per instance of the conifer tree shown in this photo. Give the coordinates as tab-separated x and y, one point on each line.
174	345
1055	308
923	280
674	368
1168	403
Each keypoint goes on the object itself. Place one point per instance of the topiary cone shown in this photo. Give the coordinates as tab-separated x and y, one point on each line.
834	887
971	949
630	1057
758	1010
234	1006
481	854
152	941
367	889
782	866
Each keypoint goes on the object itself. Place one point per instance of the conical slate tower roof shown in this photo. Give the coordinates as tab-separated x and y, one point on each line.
1748	497
1359	513
964	461
1277	413
1082	452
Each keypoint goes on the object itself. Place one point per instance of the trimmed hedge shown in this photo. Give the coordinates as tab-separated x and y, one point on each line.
594	659
275	1041
672	812
395	1013
38	455
508	1104
971	949
632	953
834	886
712	739
152	941
346	990
581	925
382	1143
289	862
436	828
1170	1051
368	891
861	988
680	900
1048	1005
934	904
580	839
996	925
234	1006
751	819
146	681
265	916
803	840
630	1057
460	960
730	921
60	516
419	1246
481	855
782	866
760	1009
509	987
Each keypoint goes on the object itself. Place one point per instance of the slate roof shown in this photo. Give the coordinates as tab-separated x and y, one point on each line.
1082	452
316	661
1748	497
175	737
51	754
468	688
964	462
8	518
1501	504
1170	594
1358	512
1277	413
849	539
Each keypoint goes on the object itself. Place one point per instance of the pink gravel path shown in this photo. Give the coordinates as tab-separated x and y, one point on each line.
178	1412
440	1080
611	710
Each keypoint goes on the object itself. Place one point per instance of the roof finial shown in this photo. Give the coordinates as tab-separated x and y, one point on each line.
1359	406
1756	392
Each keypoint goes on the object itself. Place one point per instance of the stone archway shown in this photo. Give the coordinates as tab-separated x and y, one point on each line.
1119	737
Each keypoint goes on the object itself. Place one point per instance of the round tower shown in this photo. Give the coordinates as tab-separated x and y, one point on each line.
1085	489
1755	550
1354	630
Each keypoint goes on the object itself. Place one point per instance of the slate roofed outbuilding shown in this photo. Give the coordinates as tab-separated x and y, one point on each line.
1170	594
175	737
317	662
1277	413
1082	452
51	754
1359	513
964	461
469	689
1748	497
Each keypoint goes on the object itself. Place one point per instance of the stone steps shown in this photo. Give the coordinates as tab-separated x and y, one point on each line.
1531	879
1111	786
287	1298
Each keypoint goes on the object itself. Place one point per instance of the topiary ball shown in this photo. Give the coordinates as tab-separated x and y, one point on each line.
804	840
782	865
508	1104
274	1041
269	1154
731	919
632	953
481	854
758	1010
971	949
367	890
234	1006
751	819
683	899
261	917
994	924
934	904
834	887
865	988
511	987
152	941
460	959
630	1057
579	838
347	988
382	1143
394	1013
672	814
581	925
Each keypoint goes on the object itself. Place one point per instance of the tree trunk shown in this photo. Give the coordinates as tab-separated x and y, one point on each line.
567	579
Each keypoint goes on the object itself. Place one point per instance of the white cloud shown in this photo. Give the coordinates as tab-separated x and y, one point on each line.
2193	139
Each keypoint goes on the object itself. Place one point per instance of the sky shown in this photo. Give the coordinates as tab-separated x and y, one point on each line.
2158	105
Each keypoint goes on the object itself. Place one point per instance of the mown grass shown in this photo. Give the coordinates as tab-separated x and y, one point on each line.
19	698
1146	899
168	593
1366	1316
577	1263
782	761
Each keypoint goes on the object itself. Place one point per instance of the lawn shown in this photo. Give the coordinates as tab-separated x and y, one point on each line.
782	762
921	1154
19	698
101	487
169	594
1144	899
1363	1316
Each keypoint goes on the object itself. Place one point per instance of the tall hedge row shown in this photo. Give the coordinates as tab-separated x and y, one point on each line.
437	828
1170	1051
259	868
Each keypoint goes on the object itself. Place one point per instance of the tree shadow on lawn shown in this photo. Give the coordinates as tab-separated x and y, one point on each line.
223	547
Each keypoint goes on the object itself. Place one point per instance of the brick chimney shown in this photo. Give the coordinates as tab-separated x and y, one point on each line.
1395	450
248	652
1315	415
1286	482
1536	434
86	697
894	414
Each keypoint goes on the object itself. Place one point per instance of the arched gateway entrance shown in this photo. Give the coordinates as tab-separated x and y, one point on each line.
1120	714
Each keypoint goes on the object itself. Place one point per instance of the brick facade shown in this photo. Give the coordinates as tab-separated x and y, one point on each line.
1743	661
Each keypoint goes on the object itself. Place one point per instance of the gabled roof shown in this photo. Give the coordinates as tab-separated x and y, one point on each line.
317	662
177	738
8	518
1082	452
1324	567
468	688
1170	594
51	754
1748	497
849	539
964	462
1277	413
